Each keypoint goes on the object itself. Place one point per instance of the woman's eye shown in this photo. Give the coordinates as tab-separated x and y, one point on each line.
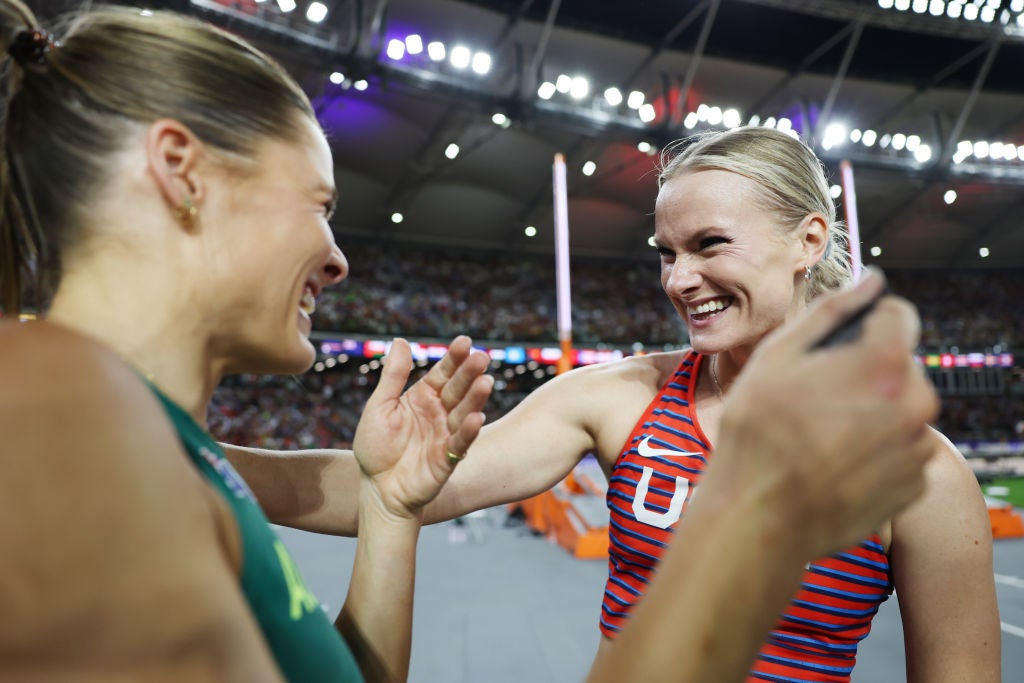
712	241
329	210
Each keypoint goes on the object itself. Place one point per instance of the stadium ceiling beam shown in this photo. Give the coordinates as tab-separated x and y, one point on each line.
665	42
676	113
559	116
843	10
963	251
837	81
529	83
946	153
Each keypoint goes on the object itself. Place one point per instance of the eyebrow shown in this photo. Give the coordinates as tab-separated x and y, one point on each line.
327	189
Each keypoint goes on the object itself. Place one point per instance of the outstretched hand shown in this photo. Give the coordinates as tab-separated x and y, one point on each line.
403	440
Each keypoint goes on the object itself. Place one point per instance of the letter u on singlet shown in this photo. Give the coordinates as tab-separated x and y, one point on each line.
661	520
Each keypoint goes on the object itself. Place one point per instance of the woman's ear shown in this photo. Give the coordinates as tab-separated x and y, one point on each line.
173	155
814	238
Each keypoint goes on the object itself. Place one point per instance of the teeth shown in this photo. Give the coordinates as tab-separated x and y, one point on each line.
709	306
308	303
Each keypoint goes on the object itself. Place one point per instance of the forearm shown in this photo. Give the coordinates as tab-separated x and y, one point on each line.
376	620
724	581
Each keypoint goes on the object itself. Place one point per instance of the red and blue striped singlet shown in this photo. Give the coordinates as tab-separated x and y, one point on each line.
653	480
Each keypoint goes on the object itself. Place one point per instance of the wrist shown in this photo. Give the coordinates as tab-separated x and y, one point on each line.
376	506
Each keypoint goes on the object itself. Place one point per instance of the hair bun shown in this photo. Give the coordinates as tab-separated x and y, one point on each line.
30	46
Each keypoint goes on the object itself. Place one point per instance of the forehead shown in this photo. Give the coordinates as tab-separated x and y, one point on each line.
306	158
705	196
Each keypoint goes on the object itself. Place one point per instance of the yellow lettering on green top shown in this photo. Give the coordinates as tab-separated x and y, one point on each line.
302	600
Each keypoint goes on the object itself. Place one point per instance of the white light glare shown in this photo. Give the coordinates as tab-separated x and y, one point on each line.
983	252
635	99
530	231
913	142
949	197
988	14
731	118
885	4
500	119
970	12
835	134
884	141
361	84
920	6
413	44
396	49
644	147
397	217
691	120
436	51
869	138
953	10
316	12
613	96
715	116
563	84
936	8
855	135
460	57
646	113
835	191
902	5
589	168
481	63
286	5
784	124
451	151
546	90
923	153
580	88
981	149
876	251
769	122
899	141
337	78
650	241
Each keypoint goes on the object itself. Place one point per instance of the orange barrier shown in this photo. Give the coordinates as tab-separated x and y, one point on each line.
1006	522
573	514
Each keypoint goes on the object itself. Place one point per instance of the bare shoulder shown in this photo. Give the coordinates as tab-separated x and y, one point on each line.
113	524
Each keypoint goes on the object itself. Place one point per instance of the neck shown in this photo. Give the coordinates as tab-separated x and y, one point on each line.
133	315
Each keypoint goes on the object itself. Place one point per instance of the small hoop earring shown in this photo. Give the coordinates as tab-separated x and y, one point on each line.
807	272
186	213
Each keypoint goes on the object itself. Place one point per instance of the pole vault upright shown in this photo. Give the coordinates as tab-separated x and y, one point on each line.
850	209
562	263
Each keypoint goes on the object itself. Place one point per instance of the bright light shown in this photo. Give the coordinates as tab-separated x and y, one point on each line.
436	51
835	134
923	153
530	231
413	44
715	116
499	119
876	251
451	151
981	149
936	8
1017	5
460	57
613	96
563	84
589	168
755	120
835	191
580	88
650	241
970	12
899	141
784	124
913	141
949	197
920	6
644	147
546	90
869	138
953	10
286	5
885	4
702	112
995	150
1020	152
884	141
902	5
635	99
337	78
481	63
983	252
731	118
769	122
988	15
397	217
646	113
396	49
146	13
855	135
361	84
691	120
316	12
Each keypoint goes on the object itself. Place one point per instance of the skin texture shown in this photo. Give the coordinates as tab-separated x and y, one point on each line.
716	240
143	583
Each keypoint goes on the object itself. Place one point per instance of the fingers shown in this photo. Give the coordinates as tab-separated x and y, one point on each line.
395	373
473	401
461	438
445	369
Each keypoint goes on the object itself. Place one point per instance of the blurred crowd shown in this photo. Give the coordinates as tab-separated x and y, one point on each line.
432	294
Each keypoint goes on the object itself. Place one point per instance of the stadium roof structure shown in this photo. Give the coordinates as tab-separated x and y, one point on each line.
444	115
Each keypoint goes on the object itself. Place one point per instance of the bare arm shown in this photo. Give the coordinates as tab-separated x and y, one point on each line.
942	567
807	464
112	564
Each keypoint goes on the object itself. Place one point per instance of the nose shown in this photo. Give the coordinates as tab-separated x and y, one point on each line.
335	269
683	276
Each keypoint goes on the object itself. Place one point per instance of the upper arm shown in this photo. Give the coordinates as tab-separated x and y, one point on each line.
942	569
111	560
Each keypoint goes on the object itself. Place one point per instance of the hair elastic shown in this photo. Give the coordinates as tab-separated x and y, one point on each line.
30	46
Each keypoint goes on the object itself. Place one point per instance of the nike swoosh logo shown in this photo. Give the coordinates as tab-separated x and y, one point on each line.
646	450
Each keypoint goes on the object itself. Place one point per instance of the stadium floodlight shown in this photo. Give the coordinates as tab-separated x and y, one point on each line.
902	5
869	137
884	141
691	120
563	84
530	231
413	44
769	122
481	63
899	141
436	51
1017	6
913	141
702	112
923	153
715	116
286	5
579	88
361	84
981	149
784	124
635	99
835	135
755	120
885	4
396	217
396	49
500	119
995	150
835	191
876	251
936	8
949	197
983	252
970	12
460	57
920	6
954	10
337	78
646	112
988	14
613	96
546	90
644	147
731	118
451	151
651	242
316	12
589	168
855	135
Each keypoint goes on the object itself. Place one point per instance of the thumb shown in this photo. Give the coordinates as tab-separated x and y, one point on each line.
395	373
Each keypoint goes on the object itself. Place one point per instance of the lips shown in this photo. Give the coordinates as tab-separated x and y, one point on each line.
708	308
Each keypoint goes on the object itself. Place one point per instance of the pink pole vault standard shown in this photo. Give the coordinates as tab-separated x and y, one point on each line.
562	264
850	208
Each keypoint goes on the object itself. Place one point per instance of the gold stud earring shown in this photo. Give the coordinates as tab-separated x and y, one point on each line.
186	213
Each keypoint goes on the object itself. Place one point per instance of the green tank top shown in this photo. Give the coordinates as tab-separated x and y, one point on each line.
301	638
